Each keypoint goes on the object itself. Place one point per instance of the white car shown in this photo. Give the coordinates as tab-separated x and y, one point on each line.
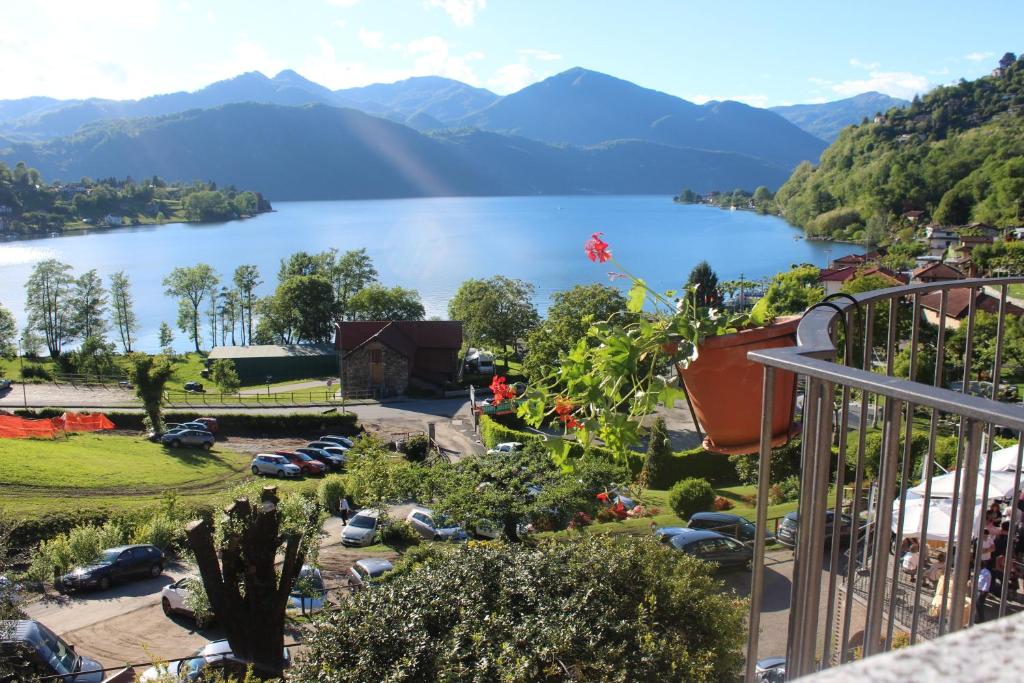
315	593
507	447
275	466
363	572
434	528
215	656
361	529
173	598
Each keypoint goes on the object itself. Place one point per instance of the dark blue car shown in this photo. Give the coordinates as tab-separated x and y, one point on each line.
124	563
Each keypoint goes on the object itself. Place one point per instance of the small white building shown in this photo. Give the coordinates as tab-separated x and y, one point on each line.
111	219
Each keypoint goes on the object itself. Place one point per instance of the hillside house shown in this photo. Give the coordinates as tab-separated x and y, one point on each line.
913	216
833	279
386	358
935	272
958	305
940	239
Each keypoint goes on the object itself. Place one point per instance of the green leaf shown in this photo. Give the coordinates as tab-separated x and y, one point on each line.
637	294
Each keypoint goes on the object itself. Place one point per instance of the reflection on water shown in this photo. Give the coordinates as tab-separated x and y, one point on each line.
432	245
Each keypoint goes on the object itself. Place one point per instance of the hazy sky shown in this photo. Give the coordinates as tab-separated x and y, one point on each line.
763	53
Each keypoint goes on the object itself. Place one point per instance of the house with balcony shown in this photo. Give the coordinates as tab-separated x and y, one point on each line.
833	279
958	305
936	271
940	239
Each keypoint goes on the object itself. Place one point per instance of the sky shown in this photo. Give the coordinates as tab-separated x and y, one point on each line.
762	53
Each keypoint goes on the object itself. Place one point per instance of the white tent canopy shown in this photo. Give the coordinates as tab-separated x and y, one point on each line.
1004	460
1000	485
938	518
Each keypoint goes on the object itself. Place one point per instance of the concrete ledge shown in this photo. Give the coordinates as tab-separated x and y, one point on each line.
988	652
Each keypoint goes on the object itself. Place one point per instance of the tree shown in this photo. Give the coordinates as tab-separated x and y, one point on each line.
376	302
304	263
149	374
190	285
791	292
123	310
247	279
301	310
95	357
224	375
230	310
166	337
708	293
48	304
636	612
353	271
569	316
762	195
659	449
248	592
8	334
89	299
498	311
208	206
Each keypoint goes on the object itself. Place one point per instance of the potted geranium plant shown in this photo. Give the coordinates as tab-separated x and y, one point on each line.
615	377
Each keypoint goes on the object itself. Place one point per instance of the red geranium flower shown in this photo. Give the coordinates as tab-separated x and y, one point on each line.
597	249
502	391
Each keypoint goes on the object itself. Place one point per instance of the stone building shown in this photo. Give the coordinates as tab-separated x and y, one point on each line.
386	358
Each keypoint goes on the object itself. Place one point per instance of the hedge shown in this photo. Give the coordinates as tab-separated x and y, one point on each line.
493	432
254	424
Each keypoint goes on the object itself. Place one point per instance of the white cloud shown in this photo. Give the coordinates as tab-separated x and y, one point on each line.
462	12
512	77
979	56
371	39
433	56
867	66
760	101
819	81
896	83
340	23
343	3
939	72
542	55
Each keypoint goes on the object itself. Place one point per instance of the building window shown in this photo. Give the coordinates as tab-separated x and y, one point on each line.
376	356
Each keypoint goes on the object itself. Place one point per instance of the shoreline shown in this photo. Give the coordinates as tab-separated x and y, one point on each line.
78	229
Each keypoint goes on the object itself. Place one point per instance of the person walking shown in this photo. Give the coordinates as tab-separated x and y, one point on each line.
984	585
345	509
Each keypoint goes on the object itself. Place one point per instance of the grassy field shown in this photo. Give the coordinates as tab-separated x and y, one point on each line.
92	472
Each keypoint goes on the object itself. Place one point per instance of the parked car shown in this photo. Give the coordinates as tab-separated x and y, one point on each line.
5	384
213	657
125	384
196	387
363	573
361	529
275	466
332	461
308	465
210	422
324	444
309	594
188	437
770	670
340	440
507	447
337	451
36	651
726	552
116	564
195	424
174	598
789	526
434	528
666	533
727	524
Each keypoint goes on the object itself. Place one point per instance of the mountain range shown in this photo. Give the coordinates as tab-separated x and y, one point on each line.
578	131
826	120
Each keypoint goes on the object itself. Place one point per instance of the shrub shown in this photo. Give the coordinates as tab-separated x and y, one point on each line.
693	463
691	495
493	432
790	488
775	495
35	372
784	462
416	447
399	533
330	492
160	530
722	503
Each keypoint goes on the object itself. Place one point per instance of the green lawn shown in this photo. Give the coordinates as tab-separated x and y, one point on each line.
93	472
1016	291
186	369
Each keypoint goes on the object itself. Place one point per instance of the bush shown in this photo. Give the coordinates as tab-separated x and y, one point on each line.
721	504
691	495
399	533
35	372
493	432
790	488
160	530
785	461
416	447
698	462
330	492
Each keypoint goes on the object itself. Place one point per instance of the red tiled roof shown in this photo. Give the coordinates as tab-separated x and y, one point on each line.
837	274
404	336
959	302
938	271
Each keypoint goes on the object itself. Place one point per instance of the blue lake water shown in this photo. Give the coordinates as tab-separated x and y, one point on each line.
432	245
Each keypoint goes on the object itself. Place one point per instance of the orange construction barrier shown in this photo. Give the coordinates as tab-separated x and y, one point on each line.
84	422
14	427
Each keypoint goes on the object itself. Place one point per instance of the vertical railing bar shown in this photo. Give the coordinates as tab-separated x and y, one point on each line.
858	486
761	524
883	530
891	341
868	342
794	640
966	527
1014	519
844	416
819	501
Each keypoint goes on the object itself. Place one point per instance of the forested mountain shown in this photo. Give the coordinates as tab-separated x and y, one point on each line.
827	119
582	107
957	154
441	99
321	152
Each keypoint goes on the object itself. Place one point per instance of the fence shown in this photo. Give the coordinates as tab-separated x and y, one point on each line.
930	329
311	397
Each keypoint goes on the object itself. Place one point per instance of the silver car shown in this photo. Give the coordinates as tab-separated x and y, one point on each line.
323	455
434	528
361	529
364	572
275	466
188	437
343	441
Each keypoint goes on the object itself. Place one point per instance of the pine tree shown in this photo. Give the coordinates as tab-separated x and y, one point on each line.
658	449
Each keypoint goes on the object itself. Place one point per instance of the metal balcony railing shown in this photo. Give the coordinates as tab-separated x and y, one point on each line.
857	598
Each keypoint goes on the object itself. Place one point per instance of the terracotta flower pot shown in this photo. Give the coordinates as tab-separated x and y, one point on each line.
725	388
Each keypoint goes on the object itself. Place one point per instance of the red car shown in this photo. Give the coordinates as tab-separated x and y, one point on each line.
305	463
210	422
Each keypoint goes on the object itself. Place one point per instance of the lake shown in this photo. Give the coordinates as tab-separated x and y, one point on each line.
433	245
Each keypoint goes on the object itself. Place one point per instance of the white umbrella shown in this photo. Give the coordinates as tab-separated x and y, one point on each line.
938	518
1000	485
1004	460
